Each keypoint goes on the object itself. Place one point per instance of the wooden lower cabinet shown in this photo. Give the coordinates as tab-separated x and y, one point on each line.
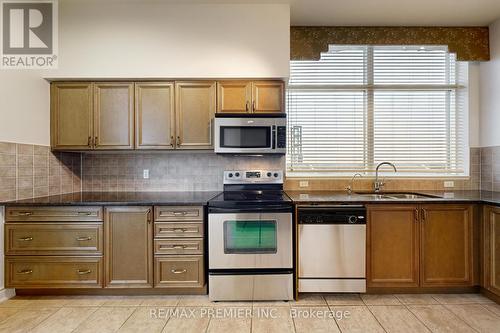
491	249
53	272
393	246
420	246
180	271
128	239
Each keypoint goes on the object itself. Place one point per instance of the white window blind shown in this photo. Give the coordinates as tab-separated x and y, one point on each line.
360	105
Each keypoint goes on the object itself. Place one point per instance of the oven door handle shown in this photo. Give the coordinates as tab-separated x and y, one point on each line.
268	208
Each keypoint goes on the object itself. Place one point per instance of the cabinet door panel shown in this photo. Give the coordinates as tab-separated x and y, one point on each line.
268	97
129	250
71	115
492	246
393	234
446	245
195	109
114	116
154	115
234	96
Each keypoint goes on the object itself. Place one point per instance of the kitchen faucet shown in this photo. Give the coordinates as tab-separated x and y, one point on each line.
377	185
351	183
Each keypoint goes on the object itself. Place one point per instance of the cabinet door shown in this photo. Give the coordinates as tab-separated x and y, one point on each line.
234	96
392	246
268	97
154	112
195	109
492	244
114	116
446	245
71	115
129	247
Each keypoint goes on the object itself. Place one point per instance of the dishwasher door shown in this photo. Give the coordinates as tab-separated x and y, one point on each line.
332	257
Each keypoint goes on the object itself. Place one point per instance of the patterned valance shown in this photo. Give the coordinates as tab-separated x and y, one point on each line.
469	43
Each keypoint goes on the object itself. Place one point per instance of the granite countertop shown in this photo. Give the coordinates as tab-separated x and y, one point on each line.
119	198
486	197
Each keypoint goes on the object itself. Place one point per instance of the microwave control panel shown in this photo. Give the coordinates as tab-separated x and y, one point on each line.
281	131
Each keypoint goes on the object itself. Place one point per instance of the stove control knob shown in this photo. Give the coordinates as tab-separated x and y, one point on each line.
269	174
319	219
230	175
276	175
353	219
237	174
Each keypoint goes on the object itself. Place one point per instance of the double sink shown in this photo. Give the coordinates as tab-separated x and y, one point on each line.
395	195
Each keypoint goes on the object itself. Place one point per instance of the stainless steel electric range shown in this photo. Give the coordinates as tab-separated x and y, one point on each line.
250	233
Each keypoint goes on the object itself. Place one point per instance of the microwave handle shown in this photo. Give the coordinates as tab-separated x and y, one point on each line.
273	137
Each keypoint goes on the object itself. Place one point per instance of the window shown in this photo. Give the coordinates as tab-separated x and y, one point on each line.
360	105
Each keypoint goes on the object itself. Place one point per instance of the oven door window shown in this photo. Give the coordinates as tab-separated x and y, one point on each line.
245	136
247	237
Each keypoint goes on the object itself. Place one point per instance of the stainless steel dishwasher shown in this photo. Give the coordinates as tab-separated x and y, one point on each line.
332	248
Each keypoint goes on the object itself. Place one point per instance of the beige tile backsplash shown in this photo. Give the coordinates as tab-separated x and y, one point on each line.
490	168
28	171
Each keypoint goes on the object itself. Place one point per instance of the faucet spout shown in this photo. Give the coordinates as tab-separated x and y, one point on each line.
377	185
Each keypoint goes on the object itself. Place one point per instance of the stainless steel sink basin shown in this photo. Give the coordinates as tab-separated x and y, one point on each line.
396	195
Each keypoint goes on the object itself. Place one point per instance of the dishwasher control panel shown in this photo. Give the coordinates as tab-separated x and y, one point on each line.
342	214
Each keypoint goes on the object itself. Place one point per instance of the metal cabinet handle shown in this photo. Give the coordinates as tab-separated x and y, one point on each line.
148	216
179	229
180	213
416	215
247	106
179	246
89	141
96	141
178	141
85	213
178	271
25	213
25	239
424	214
253	106
172	141
25	271
83	238
83	272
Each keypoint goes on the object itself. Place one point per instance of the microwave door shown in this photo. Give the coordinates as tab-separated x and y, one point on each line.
241	139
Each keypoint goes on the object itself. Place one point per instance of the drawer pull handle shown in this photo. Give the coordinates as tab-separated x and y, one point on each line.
179	246
85	213
83	239
26	213
180	213
25	239
25	271
179	229
83	272
179	271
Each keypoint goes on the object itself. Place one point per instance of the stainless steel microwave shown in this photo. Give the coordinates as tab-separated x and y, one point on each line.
265	134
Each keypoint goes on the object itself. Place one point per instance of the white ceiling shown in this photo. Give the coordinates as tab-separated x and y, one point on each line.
383	12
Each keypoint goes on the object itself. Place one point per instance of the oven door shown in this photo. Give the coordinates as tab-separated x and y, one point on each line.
250	240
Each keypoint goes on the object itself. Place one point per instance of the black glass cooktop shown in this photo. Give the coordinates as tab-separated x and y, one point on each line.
252	196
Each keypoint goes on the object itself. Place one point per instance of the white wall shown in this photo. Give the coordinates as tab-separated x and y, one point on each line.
490	92
139	39
474	104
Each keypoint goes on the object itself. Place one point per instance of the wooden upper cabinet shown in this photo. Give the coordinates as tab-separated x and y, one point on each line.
71	116
234	96
128	237
268	96
446	245
195	109
393	248
154	113
492	248
114	115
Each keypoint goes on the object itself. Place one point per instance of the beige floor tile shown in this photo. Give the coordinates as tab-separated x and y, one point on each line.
439	319
475	316
86	300
6	312
313	319
123	301
495	308
65	320
356	319
343	299
380	299
163	300
191	300
16	302
462	299
309	300
25	319
230	320
48	301
262	304
184	322
272	319
106	319
397	318
419	299
145	319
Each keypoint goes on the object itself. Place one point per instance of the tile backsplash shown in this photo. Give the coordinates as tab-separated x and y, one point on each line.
490	168
183	171
28	171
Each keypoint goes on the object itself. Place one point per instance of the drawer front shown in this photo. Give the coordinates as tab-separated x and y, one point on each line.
179	246
53	214
178	229
53	238
179	272
53	272
178	213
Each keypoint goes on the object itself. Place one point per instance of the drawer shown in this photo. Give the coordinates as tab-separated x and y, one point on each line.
178	229
53	238
178	213
53	272
179	272
179	246
53	214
